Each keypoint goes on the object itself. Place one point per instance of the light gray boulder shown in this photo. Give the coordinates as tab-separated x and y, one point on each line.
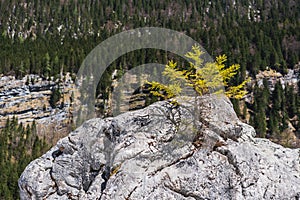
165	152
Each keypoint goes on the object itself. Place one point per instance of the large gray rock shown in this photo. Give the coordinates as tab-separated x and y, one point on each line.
165	152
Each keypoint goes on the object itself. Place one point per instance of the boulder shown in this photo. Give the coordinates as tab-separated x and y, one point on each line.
165	151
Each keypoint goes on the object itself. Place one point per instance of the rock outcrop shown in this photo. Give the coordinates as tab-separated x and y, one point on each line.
165	151
28	100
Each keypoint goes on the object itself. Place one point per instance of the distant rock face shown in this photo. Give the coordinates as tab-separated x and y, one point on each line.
28	100
165	152
291	78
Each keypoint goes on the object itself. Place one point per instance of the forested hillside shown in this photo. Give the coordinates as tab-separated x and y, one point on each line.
18	146
44	37
57	34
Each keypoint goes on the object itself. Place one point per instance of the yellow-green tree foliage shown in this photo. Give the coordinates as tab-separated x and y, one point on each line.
204	78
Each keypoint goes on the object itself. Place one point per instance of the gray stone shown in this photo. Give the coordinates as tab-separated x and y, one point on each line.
165	152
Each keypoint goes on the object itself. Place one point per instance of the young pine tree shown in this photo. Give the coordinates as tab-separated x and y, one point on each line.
203	78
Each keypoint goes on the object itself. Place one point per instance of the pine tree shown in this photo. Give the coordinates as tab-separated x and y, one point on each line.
55	97
259	109
202	78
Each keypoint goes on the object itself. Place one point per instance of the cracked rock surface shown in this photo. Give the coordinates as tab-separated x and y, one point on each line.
165	152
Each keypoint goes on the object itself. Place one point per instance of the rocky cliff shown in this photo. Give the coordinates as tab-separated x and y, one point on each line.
28	100
165	151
